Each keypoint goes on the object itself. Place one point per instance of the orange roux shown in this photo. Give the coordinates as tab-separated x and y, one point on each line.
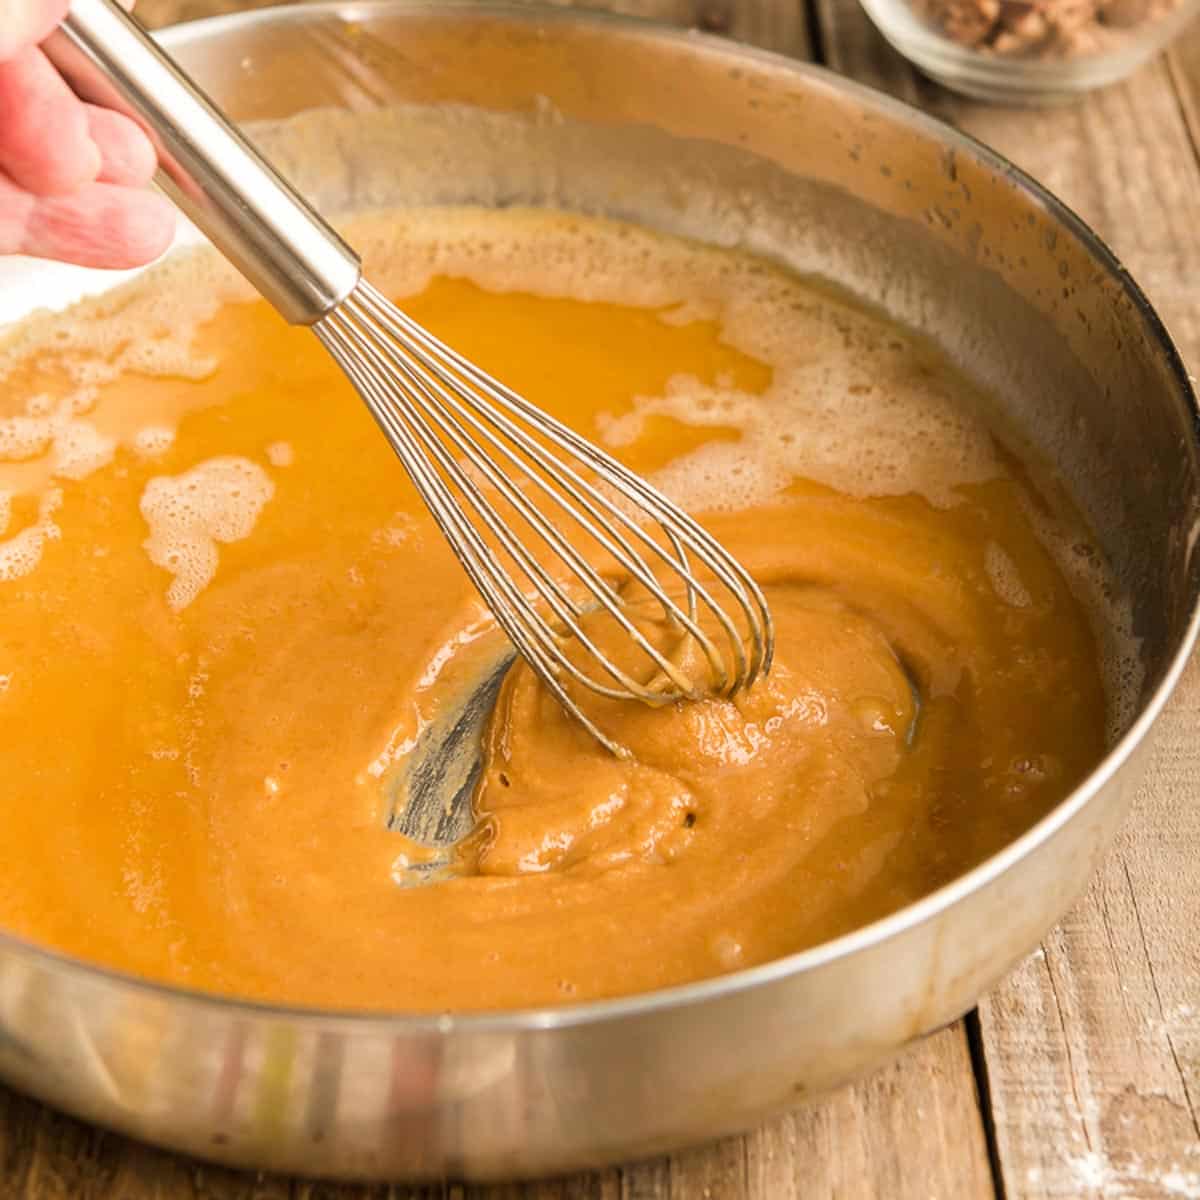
224	612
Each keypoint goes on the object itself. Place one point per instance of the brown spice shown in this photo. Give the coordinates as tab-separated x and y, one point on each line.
1042	28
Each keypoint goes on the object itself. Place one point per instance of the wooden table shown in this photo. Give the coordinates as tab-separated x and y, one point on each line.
1079	1076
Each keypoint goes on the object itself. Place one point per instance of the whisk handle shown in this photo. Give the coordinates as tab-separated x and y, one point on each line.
209	169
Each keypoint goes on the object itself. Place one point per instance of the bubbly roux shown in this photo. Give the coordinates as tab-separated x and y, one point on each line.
224	613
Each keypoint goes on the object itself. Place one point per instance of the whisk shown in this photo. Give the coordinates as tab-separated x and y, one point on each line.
505	482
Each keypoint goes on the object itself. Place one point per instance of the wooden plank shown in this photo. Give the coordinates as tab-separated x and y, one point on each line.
780	25
1183	61
1092	1047
911	1132
1094	1044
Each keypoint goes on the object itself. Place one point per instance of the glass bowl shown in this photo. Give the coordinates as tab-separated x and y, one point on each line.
1029	51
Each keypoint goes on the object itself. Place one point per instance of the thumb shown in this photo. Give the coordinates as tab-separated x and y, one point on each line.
24	23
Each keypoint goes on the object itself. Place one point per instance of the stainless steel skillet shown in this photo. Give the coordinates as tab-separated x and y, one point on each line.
701	137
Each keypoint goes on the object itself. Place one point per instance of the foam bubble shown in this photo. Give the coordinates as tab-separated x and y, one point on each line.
167	356
398	531
79	449
153	440
24	437
1004	577
280	454
73	448
720	478
146	326
217	501
853	402
21	553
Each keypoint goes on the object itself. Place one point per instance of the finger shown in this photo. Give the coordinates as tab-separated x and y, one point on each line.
45	145
24	23
98	225
126	155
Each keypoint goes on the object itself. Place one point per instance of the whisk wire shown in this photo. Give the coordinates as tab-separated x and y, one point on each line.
570	483
734	577
496	588
573	485
454	427
567	611
446	417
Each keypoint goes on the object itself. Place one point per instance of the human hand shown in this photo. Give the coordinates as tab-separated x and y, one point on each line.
72	175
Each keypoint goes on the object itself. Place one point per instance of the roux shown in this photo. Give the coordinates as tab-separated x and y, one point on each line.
224	615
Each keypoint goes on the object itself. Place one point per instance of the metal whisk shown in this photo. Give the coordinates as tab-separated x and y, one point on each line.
492	467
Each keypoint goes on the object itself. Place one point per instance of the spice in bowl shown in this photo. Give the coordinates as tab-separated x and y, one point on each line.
1043	28
1032	51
